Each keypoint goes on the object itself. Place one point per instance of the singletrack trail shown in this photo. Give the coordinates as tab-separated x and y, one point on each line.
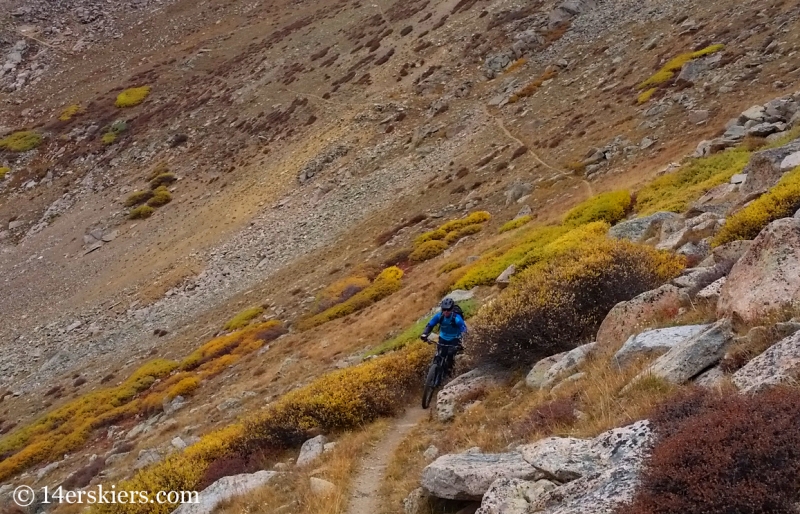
364	495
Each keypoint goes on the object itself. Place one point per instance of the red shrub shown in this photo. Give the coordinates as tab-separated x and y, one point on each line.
559	412
724	454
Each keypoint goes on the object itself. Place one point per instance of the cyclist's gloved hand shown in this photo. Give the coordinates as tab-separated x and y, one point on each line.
424	337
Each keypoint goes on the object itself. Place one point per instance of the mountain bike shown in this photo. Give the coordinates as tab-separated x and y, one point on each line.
438	370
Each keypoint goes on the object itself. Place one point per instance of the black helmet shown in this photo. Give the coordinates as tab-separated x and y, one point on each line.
447	304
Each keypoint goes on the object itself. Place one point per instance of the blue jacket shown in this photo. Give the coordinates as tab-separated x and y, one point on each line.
449	328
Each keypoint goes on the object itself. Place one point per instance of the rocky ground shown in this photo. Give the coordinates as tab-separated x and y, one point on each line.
299	131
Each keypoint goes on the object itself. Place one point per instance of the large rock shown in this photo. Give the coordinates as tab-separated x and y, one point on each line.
467	476
641	229
618	457
766	279
311	450
562	459
320	487
780	364
690	357
695	230
655	342
764	169
567	364
451	395
513	496
631	317
538	374
568	10
693	280
224	489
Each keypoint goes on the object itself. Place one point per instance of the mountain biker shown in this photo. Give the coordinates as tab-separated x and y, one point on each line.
451	329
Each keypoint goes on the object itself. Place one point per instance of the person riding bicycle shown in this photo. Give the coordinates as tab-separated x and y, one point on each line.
451	329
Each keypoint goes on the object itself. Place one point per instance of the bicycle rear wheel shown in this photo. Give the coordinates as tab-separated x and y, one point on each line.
430	385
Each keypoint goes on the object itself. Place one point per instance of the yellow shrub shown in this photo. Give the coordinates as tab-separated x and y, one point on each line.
162	179
533	86
217	366
141	212
677	190
4	170
68	427
427	251
433	235
450	266
462	232
240	342
514	66
472	219
668	70
70	112
781	201
385	284
559	302
340	400
486	270
244	318
161	197
109	138
340	291
21	141
138	197
609	207
515	223
645	96
183	388
132	97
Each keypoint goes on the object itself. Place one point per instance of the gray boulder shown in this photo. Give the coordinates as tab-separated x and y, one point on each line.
567	364
311	450
690	357
569	10
225	489
619	455
790	162
451	395
764	169
780	364
693	280
563	459
537	375
631	317
655	342
467	476
513	496
641	229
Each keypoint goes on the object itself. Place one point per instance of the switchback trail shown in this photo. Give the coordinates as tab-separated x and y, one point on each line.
366	486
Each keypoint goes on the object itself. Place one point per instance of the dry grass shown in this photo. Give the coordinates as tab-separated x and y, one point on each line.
338	467
495	424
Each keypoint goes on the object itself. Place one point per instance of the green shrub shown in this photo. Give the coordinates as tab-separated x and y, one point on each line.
677	190
4	170
163	179
21	141
244	318
461	233
138	198
722	453
515	224
781	201
385	284
141	212
609	207
109	138
559	303
132	96
161	197
433	235
427	251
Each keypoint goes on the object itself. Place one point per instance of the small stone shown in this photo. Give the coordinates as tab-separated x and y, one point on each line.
738	179
431	453
320	487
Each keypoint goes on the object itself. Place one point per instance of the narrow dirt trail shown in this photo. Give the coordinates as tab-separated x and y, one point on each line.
364	495
501	126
